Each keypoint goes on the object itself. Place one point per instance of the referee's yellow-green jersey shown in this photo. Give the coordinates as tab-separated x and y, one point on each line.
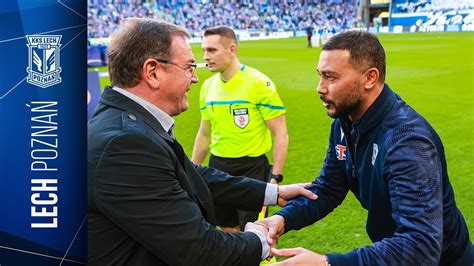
237	110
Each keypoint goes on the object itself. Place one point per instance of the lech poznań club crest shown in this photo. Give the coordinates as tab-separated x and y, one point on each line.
43	60
375	151
241	117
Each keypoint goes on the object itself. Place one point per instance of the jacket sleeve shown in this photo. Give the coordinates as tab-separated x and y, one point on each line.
136	188
413	174
331	187
233	191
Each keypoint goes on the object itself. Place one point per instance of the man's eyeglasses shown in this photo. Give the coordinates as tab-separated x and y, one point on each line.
190	70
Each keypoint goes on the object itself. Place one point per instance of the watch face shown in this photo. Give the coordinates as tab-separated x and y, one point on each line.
278	178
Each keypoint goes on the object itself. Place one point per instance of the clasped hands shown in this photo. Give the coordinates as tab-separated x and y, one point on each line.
273	227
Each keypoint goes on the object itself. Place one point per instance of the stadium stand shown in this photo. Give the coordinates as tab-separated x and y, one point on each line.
276	18
441	14
430	6
325	17
195	15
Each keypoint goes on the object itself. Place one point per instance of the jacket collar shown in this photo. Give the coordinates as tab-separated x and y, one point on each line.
166	121
376	112
192	182
115	99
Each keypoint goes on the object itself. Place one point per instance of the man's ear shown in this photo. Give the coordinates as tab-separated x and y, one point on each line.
371	77
233	49
150	73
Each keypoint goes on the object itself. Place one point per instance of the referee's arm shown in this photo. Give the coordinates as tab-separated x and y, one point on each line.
202	142
279	132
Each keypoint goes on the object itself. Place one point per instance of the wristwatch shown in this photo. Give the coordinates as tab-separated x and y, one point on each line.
278	178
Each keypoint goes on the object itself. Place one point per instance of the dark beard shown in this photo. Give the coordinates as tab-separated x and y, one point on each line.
349	105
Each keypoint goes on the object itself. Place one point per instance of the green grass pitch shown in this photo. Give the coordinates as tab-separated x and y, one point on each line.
432	72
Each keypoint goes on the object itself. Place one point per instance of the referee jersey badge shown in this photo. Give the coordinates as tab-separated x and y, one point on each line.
241	117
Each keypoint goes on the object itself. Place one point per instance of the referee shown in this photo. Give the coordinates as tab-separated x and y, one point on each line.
240	111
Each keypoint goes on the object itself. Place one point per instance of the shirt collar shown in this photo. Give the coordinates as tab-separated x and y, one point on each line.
242	68
166	121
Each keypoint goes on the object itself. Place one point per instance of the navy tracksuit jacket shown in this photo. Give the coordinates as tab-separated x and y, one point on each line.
394	163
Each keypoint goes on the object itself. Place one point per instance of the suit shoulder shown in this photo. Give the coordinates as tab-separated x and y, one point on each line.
112	123
138	145
132	122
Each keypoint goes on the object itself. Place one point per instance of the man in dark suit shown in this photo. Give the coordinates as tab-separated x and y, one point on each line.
147	203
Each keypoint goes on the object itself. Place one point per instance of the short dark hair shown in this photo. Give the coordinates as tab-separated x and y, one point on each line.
222	31
137	40
364	48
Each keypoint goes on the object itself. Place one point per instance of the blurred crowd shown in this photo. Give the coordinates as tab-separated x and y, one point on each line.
104	16
429	6
195	15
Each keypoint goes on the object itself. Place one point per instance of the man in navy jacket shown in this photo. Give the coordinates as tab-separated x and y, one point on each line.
389	157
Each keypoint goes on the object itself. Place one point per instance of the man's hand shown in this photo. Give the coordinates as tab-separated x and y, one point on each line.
257	227
261	231
299	256
276	227
288	192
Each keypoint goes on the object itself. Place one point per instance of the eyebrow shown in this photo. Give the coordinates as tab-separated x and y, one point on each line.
326	72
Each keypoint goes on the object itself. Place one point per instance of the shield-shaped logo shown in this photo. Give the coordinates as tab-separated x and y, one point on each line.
43	60
241	117
375	151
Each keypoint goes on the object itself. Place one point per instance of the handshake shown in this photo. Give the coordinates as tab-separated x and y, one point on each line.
273	227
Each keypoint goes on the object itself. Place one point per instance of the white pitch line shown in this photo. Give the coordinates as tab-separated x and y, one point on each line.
78	229
39	254
59	1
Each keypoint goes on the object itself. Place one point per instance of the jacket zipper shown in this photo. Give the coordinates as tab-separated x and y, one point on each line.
355	155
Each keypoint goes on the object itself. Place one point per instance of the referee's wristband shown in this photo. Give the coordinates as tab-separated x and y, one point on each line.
278	178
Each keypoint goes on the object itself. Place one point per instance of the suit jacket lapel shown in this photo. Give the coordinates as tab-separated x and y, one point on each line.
203	194
199	188
187	176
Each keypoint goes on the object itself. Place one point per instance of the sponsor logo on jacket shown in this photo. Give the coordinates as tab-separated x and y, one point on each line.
341	151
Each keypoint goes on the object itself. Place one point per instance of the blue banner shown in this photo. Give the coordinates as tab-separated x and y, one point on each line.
43	132
93	92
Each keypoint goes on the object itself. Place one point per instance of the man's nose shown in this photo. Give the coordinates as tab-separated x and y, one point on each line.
194	77
322	87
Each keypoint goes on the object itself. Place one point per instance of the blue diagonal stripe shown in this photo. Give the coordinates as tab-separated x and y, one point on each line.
277	107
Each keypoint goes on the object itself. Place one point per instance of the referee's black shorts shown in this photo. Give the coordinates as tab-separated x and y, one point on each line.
253	167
